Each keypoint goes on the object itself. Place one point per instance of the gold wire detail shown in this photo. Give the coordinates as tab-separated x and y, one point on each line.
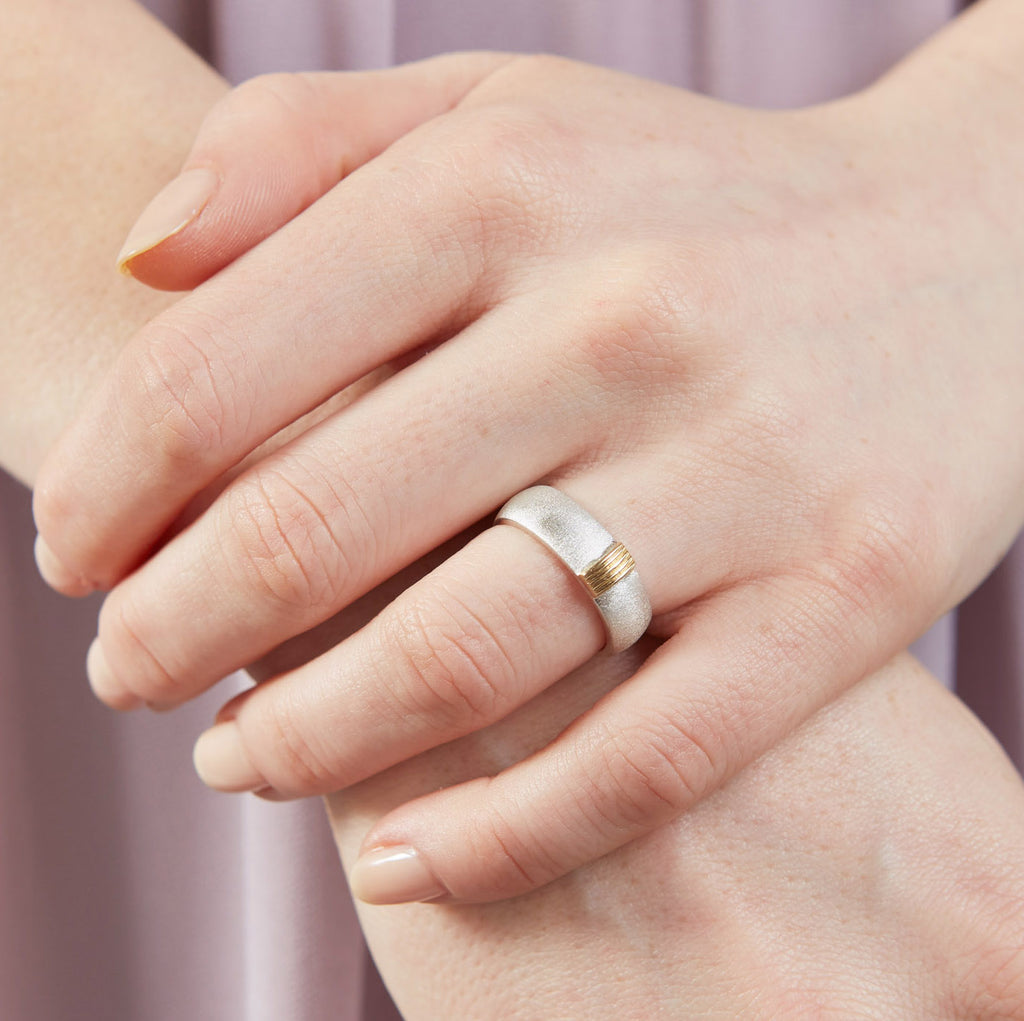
609	569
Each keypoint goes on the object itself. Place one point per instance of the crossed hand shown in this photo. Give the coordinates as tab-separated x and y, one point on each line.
420	292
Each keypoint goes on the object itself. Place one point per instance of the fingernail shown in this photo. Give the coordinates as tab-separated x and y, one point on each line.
269	794
106	687
55	574
394	875
222	763
161	707
169	213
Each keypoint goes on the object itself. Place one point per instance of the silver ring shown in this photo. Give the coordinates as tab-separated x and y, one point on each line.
600	564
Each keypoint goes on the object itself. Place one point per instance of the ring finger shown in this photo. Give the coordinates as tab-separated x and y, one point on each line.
487	630
371	489
341	508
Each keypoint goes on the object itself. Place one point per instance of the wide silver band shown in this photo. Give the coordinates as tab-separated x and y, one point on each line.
601	565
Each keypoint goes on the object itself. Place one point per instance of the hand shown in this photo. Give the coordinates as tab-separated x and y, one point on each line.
706	324
870	866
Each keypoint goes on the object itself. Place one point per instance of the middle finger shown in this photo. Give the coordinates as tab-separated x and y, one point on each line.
390	259
341	508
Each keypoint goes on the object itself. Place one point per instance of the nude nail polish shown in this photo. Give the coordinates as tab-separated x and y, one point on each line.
105	685
394	875
222	762
169	213
55	574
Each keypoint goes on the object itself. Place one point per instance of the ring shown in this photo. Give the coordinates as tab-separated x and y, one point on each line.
602	566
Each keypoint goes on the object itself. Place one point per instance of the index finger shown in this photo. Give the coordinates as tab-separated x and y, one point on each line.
210	380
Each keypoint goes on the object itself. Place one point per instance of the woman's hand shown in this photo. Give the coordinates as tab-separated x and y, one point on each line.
735	337
870	866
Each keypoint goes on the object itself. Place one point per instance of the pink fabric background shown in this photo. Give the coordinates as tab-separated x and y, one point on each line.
127	891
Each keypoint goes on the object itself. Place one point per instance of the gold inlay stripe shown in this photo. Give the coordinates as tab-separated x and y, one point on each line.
609	569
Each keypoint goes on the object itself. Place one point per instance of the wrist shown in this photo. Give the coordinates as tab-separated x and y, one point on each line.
925	208
950	112
102	103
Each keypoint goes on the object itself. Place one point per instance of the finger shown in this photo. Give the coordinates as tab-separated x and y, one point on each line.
270	148
484	632
322	521
207	382
460	649
439	446
346	505
745	669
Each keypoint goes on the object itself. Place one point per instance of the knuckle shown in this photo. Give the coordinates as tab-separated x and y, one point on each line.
883	546
885	550
502	166
909	537
286	91
480	191
283	529
640	323
501	155
186	395
285	106
653	770
527	80
525	70
454	667
279	99
520	853
132	656
283	748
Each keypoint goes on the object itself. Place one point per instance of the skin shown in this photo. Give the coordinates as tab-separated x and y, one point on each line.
60	220
836	878
735	336
891	821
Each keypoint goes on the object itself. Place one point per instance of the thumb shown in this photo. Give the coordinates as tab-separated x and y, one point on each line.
273	146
